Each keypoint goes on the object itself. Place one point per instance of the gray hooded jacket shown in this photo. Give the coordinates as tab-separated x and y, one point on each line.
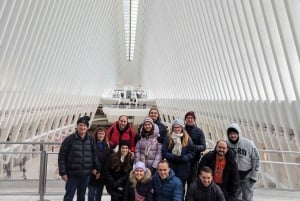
247	156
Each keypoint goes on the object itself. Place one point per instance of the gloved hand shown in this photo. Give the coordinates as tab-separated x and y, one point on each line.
177	159
116	184
160	139
195	148
137	138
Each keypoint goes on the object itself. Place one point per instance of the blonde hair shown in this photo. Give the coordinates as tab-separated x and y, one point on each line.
184	139
147	178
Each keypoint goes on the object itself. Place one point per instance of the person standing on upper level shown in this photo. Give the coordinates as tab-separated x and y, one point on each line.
247	158
77	160
198	138
121	130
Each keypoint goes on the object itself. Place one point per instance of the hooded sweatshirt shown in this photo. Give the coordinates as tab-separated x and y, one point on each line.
247	156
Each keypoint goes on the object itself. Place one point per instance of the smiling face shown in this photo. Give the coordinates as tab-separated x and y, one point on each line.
189	120
148	126
82	129
221	148
139	174
154	114
177	129
124	150
163	170
122	122
205	178
233	136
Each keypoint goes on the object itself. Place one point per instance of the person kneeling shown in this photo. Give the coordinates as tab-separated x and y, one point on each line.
204	188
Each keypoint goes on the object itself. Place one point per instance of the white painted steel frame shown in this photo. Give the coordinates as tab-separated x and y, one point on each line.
230	61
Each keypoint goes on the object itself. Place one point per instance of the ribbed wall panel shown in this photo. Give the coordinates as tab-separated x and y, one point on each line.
229	61
57	59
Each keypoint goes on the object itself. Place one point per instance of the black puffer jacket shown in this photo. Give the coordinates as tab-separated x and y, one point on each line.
78	156
198	192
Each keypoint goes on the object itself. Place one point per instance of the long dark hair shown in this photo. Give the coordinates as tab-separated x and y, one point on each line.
145	133
117	165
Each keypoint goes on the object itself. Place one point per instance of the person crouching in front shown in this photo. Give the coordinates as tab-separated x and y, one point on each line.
116	171
204	189
139	186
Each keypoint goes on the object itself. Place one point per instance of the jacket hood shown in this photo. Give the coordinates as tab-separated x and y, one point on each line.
236	127
172	174
155	131
147	176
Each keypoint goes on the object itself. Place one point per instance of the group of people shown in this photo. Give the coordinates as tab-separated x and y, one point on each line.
156	164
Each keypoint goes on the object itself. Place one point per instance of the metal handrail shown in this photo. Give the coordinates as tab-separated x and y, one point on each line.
44	160
278	151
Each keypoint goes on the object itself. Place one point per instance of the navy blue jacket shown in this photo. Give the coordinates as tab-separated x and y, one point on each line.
198	138
182	166
167	190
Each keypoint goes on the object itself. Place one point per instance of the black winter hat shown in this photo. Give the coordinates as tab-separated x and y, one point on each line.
124	142
84	120
229	130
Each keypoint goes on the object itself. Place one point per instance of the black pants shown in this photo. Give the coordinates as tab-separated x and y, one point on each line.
193	172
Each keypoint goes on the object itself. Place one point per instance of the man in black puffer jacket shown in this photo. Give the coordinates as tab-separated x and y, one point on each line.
77	160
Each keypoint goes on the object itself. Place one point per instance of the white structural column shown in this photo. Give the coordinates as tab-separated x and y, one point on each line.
50	69
230	61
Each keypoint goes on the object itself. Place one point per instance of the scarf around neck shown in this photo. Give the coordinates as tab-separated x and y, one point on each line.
177	143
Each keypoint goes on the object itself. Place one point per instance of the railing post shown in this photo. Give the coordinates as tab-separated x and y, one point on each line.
43	172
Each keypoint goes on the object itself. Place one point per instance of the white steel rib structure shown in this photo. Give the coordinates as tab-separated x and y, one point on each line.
227	60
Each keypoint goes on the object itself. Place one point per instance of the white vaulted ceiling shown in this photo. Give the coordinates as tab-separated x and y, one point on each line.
244	50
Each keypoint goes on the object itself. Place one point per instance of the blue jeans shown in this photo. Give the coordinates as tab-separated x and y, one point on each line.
95	192
78	183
